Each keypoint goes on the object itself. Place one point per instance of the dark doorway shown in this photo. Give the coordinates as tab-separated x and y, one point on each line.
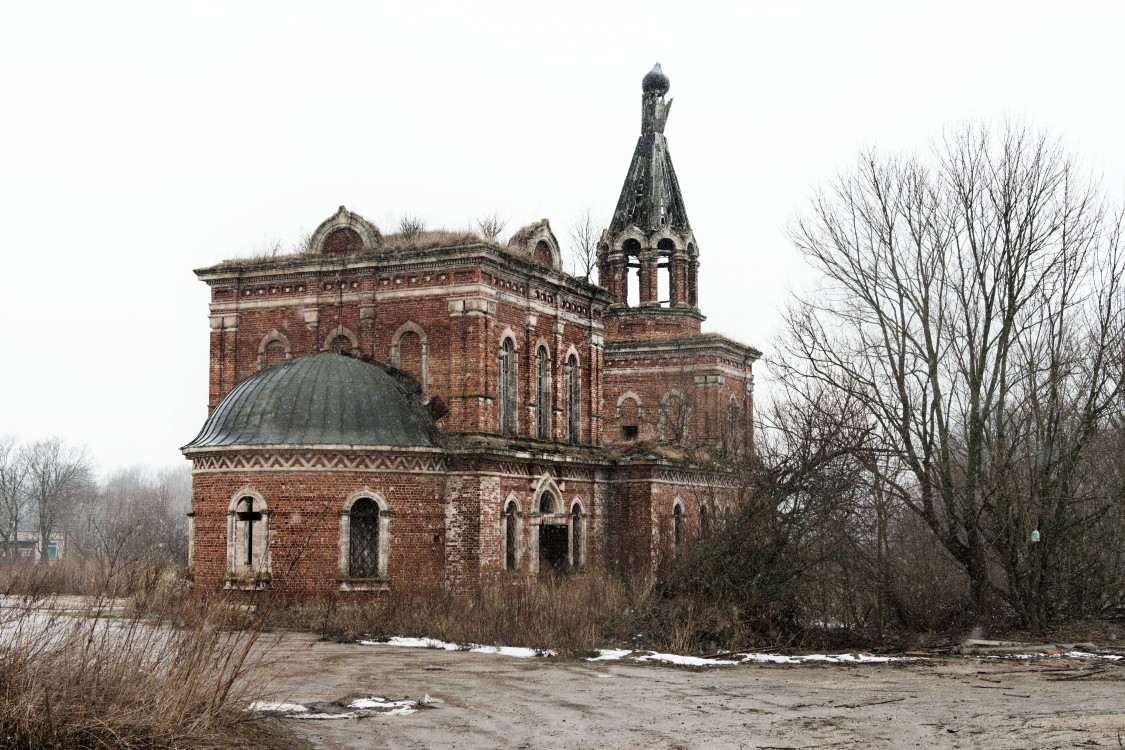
552	547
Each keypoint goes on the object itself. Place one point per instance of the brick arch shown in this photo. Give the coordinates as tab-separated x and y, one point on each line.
410	327
631	234
359	230
273	337
629	396
337	332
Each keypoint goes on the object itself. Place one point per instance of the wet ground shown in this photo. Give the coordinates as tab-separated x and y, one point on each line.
495	701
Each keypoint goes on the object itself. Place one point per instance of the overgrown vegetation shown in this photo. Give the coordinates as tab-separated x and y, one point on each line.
567	614
160	669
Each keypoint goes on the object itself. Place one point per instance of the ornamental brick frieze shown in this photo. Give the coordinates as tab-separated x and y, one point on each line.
319	461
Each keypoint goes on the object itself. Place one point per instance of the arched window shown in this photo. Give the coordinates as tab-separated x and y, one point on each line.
704	522
363	549
577	536
573	399
364	537
507	388
340	344
542	394
679	529
248	535
511	536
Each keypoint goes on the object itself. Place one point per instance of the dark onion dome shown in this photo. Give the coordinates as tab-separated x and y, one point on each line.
319	399
655	82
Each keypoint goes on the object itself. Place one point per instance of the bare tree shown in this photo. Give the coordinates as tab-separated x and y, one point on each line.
411	225
139	514
58	478
13	493
973	306
585	231
491	226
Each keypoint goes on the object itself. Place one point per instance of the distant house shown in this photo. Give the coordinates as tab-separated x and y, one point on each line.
26	546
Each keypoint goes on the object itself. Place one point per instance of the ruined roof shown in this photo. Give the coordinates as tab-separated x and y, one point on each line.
319	399
650	198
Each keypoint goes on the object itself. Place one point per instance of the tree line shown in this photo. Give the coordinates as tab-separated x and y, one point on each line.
50	488
945	440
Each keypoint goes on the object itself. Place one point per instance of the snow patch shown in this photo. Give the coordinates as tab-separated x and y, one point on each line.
609	654
517	651
283	708
686	661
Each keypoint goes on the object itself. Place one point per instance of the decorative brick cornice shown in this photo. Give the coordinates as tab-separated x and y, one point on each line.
317	460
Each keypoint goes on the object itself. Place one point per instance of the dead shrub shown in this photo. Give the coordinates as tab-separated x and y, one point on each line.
566	614
93	673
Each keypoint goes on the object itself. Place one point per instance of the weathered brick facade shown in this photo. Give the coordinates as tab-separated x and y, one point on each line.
554	402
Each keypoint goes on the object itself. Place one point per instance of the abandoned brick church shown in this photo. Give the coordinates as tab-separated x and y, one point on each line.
440	409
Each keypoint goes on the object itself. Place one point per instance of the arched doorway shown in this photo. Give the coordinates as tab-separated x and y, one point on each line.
554	542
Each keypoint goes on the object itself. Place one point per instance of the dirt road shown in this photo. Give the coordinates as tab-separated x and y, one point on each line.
491	701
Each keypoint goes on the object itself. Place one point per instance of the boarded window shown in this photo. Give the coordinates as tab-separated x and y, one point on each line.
543	254
410	355
343	241
274	352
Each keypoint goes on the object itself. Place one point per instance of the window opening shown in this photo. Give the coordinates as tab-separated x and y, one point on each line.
249	517
507	388
363	540
576	536
510	537
573	399
678	527
542	394
553	539
628	432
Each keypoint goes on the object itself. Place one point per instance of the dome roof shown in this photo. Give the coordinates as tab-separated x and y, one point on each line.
655	82
319	399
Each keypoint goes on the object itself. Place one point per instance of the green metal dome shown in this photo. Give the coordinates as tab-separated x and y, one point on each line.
319	399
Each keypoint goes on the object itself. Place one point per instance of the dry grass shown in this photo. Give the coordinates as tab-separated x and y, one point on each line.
90	673
424	239
568	614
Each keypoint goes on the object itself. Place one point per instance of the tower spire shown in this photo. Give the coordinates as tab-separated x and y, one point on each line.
650	198
650	231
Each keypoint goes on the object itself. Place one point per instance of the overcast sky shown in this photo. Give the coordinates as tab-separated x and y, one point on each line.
139	141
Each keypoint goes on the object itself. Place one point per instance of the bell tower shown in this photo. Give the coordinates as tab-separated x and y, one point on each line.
648	258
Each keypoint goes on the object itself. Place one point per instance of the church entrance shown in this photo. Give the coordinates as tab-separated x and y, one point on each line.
552	547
